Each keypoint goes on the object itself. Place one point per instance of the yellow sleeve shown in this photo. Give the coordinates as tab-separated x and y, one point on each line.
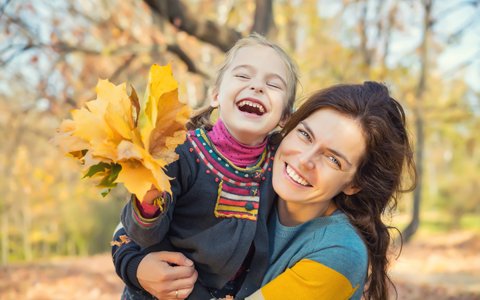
307	279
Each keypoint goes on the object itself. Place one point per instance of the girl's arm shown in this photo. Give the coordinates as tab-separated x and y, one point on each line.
143	229
148	226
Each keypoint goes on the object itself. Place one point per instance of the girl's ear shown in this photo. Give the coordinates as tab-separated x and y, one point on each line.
284	120
351	189
214	102
282	123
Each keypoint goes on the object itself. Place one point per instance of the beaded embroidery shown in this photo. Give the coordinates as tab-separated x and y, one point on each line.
238	188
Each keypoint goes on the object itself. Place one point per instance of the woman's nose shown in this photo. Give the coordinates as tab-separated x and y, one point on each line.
306	162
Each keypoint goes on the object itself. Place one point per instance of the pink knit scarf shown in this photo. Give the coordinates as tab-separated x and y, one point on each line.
239	154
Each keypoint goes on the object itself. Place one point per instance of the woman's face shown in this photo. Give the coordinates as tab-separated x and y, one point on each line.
318	159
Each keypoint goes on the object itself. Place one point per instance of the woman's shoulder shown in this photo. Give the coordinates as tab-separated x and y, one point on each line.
337	231
340	247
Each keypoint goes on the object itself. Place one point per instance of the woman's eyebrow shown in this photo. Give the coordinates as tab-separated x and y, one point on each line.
335	152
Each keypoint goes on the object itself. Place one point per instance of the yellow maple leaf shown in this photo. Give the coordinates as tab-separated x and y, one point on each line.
122	140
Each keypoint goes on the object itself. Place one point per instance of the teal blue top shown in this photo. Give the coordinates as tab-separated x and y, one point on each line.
331	241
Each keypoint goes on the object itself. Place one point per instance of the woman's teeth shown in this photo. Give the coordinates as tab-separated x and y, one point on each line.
295	177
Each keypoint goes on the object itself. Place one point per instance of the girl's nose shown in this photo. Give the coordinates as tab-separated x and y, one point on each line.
257	87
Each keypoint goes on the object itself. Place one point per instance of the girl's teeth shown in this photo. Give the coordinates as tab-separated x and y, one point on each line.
249	103
295	176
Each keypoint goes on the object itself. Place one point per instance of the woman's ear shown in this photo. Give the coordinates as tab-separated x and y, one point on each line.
351	189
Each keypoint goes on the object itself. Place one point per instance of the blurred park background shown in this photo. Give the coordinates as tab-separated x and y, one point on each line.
53	52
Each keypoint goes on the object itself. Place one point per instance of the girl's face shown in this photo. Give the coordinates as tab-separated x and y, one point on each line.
318	159
252	94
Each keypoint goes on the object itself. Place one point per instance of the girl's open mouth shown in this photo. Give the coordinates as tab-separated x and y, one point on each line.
251	107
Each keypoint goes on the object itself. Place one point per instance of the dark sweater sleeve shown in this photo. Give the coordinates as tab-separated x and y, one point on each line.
182	172
126	255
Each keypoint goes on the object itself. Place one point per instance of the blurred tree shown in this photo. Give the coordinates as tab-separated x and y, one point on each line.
52	53
420	90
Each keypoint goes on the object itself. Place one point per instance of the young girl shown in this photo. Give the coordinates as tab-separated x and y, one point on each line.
215	216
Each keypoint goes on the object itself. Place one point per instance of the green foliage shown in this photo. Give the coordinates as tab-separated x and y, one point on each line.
108	174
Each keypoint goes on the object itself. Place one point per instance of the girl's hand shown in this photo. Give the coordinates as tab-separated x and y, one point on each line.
167	275
151	195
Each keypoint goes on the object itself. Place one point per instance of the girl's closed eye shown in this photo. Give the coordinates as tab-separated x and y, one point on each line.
274	85
242	76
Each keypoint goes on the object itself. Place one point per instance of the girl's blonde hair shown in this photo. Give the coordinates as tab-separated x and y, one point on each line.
202	118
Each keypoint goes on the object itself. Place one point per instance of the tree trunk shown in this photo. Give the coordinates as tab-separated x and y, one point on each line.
366	53
26	228
263	21
412	227
5	242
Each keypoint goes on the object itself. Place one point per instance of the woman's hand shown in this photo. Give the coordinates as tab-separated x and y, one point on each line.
167	275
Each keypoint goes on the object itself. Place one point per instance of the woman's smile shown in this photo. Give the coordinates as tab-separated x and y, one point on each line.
297	178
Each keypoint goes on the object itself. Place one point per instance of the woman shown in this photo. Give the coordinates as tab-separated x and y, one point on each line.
337	170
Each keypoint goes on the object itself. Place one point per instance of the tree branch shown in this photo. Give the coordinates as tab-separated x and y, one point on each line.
186	59
123	67
4	6
205	30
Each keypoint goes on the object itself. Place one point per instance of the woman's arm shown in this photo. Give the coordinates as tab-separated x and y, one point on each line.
166	275
307	279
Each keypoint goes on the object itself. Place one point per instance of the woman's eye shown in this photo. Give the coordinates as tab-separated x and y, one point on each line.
335	161
304	134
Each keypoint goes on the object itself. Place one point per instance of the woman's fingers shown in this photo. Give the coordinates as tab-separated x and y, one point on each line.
173	258
164	273
182	293
184	283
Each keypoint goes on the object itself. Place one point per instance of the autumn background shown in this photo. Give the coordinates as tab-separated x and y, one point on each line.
55	227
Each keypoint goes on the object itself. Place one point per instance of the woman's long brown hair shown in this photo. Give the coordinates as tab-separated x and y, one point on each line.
388	156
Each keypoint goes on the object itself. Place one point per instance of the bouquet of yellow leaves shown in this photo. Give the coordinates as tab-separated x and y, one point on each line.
121	140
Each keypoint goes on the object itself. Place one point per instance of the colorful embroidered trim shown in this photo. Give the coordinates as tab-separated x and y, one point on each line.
222	168
239	206
239	188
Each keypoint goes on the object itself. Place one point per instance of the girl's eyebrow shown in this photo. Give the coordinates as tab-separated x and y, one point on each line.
337	153
249	67
242	66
